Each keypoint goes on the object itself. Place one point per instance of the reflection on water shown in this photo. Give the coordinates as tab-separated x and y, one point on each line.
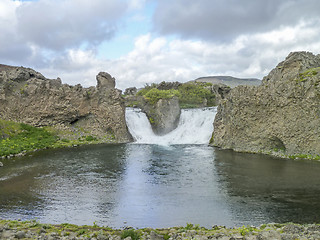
157	186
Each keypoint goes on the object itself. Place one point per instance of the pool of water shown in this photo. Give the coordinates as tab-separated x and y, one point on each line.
158	186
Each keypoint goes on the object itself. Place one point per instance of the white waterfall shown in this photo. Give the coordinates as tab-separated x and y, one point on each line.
195	127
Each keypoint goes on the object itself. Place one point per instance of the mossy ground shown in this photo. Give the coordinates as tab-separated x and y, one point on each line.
17	138
35	230
66	229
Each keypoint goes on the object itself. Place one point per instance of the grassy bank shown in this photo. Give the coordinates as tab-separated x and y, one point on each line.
36	230
19	138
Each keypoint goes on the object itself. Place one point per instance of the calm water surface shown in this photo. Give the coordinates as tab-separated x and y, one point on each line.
157	186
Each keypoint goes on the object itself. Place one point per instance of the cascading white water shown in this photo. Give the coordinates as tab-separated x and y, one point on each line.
195	127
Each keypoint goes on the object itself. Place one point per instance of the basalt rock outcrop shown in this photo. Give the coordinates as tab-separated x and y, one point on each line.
164	115
26	96
281	117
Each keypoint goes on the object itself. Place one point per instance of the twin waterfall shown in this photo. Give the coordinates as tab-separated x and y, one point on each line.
195	127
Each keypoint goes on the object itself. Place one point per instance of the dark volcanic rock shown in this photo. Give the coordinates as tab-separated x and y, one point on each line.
281	117
27	96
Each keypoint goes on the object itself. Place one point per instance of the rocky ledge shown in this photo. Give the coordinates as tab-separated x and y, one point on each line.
35	230
26	96
280	117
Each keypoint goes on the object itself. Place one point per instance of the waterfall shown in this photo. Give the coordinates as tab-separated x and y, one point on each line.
195	127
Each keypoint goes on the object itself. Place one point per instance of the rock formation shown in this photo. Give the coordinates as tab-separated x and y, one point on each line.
220	91
164	115
132	91
281	117
27	96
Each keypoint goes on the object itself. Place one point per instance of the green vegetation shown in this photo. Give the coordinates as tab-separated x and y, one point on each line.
244	230
154	95
194	95
70	231
305	156
16	138
146	89
190	226
308	73
190	95
130	233
25	139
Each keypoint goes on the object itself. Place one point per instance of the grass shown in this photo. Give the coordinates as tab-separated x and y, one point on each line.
16	138
25	138
190	95
130	233
305	156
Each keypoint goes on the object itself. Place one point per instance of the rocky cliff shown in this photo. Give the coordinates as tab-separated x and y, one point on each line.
281	117
27	96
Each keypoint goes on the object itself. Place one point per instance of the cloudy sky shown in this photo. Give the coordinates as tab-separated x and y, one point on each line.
145	41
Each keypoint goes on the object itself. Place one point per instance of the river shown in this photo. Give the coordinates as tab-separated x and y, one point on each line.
158	185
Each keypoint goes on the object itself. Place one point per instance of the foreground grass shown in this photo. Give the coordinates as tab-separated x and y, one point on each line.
34	230
19	138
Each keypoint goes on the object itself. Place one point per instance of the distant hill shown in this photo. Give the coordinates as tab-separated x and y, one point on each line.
229	81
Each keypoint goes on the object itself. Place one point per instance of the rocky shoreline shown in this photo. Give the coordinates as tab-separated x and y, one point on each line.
35	230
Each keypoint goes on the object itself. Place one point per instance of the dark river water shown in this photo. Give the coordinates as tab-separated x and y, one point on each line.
156	186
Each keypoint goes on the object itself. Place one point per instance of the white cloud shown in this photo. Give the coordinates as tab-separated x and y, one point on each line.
36	29
216	20
63	24
59	39
156	59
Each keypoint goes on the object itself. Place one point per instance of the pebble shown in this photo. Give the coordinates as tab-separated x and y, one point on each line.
20	235
1	164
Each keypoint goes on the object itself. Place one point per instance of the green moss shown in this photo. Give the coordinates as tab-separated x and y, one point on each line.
211	139
308	73
305	156
151	120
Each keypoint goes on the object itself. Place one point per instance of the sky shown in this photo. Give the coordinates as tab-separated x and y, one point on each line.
144	41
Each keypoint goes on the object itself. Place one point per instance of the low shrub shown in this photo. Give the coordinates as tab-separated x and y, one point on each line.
154	95
130	233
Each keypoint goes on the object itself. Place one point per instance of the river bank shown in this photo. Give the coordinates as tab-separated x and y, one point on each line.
35	230
18	139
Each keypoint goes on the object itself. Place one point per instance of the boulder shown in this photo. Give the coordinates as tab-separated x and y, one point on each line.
105	81
132	91
280	117
164	115
221	91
